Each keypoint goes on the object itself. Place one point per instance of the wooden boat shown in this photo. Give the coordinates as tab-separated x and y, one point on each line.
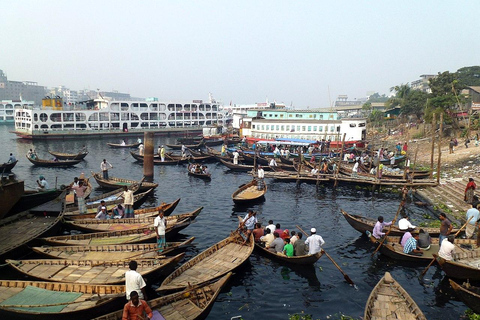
119	145
33	198
88	271
54	300
69	156
18	230
115	237
363	224
110	252
204	176
11	190
95	225
392	248
286	161
465	265
249	193
250	159
115	183
52	163
470	295
388	300
167	208
194	303
210	264
7	167
240	167
398	159
213	142
297	260
191	146
169	161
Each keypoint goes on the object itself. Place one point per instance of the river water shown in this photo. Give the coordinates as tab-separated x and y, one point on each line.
263	288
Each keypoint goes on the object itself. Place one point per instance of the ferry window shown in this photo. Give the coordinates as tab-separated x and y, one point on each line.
153	116
134	117
361	124
114	106
56	117
298	128
283	128
154	106
253	126
56	126
332	129
321	117
288	128
298	115
289	115
163	107
134	106
314	128
103	116
309	128
43	117
80	116
268	127
125	116
44	126
36	126
143	106
69	126
144	116
353	125
81	126
320	128
93	117
276	115
186	107
124	106
263	127
35	117
303	128
68	116
277	128
114	116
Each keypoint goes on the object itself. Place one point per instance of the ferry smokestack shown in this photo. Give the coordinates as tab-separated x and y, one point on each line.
148	156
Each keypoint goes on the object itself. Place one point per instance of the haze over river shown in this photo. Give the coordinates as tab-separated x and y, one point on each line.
262	288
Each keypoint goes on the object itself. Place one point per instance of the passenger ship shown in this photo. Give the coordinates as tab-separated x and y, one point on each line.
7	109
115	118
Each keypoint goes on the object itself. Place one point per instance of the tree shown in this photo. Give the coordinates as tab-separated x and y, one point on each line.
446	91
401	93
469	76
415	103
376	97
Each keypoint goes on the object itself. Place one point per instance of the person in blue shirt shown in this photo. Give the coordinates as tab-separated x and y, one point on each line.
411	246
11	159
472	216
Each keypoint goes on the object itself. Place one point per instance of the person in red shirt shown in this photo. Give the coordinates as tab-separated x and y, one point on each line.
258	232
136	308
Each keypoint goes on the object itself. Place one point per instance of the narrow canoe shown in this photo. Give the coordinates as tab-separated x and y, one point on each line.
470	295
115	237
139	157
33	198
88	271
465	265
115	183
95	225
191	304
58	300
210	264
119	145
179	146
69	156
7	167
393	249
239	167
388	300
363	224
249	193
110	252
51	163
298	260
157	160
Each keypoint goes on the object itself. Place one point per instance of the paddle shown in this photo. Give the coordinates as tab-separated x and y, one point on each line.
459	230
345	276
389	229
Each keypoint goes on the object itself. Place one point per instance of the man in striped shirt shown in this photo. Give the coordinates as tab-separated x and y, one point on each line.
411	247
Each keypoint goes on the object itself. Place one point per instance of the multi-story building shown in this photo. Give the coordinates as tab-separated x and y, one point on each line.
422	83
20	90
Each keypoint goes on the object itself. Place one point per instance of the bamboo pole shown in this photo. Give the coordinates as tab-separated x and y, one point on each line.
339	161
434	126
440	148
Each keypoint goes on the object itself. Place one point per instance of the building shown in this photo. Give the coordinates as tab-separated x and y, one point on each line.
473	95
20	90
422	84
239	111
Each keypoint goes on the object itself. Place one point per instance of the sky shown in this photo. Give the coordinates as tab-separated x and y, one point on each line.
301	53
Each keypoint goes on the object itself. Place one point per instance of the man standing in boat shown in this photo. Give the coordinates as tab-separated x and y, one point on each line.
128	202
80	192
160	224
162	153
105	166
260	177
134	282
314	242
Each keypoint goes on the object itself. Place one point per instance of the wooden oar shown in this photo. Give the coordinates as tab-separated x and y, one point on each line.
345	276
389	229
456	234
426	269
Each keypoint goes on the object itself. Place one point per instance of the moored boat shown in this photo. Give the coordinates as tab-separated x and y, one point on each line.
191	146
470	295
388	300
33	198
191	304
210	264
69	156
465	265
249	193
53	163
88	271
11	190
115	183
7	166
119	145
363	224
110	252
53	300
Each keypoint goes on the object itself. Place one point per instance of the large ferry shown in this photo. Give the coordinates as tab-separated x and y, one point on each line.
54	120
7	109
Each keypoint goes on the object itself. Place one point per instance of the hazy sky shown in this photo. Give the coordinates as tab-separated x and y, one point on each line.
305	52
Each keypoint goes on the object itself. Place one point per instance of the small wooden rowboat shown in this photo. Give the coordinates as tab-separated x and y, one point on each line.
204	176
240	167
7	167
167	208
33	198
69	156
393	249
110	252
169	161
470	295
465	265
95	225
388	300
211	264
54	300
191	146
52	163
115	183
89	271
115	237
119	145
298	260
191	304
363	224
249	193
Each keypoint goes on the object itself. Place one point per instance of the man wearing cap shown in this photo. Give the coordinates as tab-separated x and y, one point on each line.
102	215
42	184
314	242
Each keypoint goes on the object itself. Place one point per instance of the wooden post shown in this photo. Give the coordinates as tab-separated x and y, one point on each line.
434	127
339	160
439	148
148	156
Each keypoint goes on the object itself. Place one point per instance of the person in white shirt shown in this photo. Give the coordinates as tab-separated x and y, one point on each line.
404	224
104	166
355	169
235	157
314	242
123	143
42	184
261	176
141	149
287	153
102	214
271	226
160	224
447	248
273	163
134	281
128	202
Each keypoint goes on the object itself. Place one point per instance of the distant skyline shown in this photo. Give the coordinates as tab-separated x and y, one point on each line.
301	52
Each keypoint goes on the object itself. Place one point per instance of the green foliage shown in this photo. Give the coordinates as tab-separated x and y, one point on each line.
376	117
377	98
469	76
414	103
446	91
470	315
300	316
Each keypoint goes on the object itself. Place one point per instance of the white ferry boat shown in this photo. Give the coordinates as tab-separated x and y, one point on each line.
115	118
7	109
